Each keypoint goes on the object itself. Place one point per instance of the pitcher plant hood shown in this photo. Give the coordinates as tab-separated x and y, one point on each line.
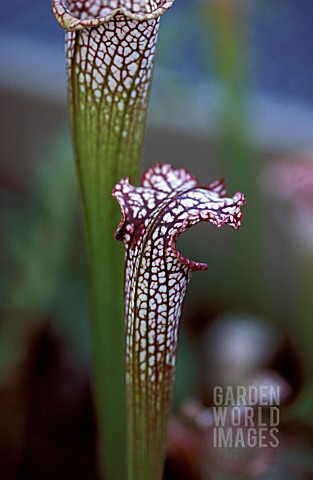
75	15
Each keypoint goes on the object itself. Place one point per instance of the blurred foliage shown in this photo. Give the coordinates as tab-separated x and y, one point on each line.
42	245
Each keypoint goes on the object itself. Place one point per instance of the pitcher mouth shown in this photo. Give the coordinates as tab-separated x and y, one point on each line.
79	14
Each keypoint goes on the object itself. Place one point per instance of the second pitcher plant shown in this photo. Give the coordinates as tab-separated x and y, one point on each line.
156	277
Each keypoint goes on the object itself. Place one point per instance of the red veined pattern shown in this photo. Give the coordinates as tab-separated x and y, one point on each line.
110	48
156	277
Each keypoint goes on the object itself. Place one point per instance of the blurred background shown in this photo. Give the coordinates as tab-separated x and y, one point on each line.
232	97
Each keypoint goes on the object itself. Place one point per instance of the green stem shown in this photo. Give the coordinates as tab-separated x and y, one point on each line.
150	403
